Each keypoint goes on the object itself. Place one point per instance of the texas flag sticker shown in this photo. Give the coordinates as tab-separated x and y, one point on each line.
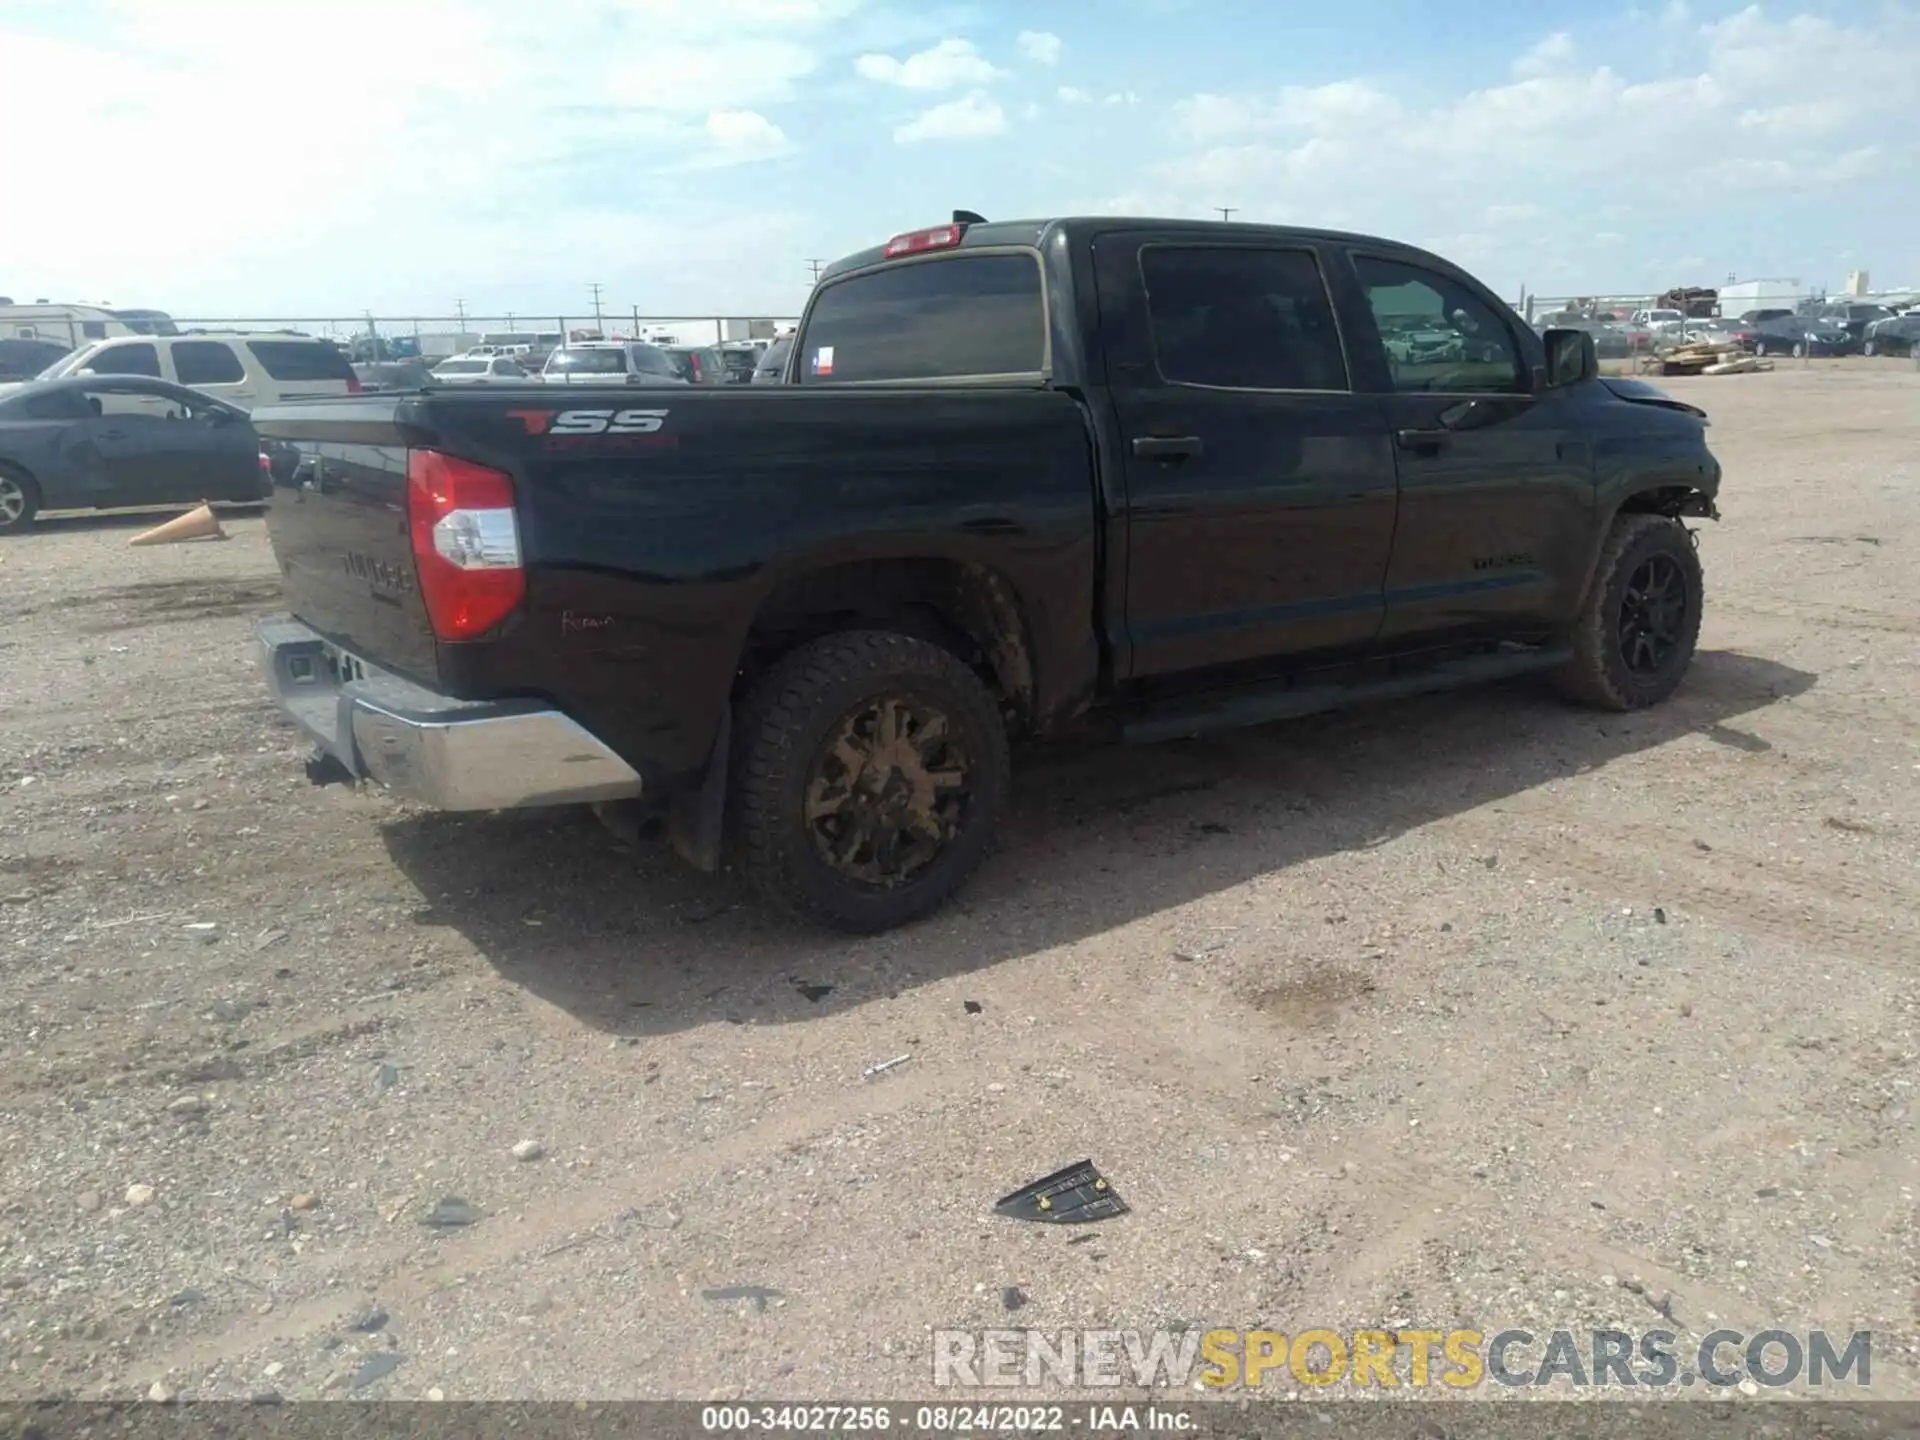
823	360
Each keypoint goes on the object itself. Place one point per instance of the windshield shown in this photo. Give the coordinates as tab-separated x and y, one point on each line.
589	362
146	322
67	364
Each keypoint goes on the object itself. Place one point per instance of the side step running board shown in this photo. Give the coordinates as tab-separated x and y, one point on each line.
1256	705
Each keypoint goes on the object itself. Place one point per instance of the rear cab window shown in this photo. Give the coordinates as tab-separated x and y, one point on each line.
954	316
292	360
608	361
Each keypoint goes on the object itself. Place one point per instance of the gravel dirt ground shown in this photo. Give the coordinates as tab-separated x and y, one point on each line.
1470	1011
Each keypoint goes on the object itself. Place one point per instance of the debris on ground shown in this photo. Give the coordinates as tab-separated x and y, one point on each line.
376	1366
1072	1196
451	1213
758	1294
880	1067
528	1150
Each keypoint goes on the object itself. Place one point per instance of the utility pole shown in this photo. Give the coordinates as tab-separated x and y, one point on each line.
1226	211
460	308
594	286
815	266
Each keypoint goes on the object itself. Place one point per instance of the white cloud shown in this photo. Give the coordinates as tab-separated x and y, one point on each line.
1511	214
1753	108
1039	46
945	66
976	116
1552	54
497	112
1123	97
1070	95
740	136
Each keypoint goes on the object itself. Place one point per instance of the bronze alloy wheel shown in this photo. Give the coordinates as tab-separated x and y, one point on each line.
888	792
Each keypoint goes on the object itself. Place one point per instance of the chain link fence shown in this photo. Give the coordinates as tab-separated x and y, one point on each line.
435	337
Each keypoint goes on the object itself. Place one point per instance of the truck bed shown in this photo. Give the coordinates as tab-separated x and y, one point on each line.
655	522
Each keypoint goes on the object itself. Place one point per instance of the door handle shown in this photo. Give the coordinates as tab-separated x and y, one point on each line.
1167	447
1427	442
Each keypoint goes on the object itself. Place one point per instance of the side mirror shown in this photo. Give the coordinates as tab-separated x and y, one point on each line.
1571	358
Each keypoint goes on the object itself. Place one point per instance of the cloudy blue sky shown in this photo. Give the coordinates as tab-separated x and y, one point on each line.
245	157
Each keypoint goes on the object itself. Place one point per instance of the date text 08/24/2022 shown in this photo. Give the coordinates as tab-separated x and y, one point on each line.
948	1419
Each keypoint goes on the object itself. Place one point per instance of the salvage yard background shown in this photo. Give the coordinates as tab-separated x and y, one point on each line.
1475	1010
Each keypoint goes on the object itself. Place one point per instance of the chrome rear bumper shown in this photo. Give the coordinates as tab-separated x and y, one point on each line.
446	753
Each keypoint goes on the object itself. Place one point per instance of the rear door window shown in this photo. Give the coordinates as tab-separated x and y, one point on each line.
1240	318
206	362
293	360
135	359
960	315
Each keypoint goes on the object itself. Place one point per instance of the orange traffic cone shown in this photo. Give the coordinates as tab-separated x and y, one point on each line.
200	524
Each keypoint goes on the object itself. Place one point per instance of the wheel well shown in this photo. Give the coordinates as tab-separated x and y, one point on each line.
1671	500
965	608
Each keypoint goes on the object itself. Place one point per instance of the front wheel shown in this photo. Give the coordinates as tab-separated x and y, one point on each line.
1635	639
19	499
1760	349
871	771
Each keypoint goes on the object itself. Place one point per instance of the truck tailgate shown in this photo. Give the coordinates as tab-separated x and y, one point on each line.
337	518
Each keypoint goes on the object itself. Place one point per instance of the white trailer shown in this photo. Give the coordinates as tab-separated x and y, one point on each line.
1741	296
77	325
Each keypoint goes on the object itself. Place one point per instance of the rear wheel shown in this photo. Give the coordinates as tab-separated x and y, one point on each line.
1760	348
871	772
1799	350
19	499
1869	348
1635	639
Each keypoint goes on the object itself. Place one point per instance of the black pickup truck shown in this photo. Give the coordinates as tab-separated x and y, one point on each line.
1122	478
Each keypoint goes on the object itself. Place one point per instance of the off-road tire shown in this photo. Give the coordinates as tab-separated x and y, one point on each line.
786	724
19	480
1598	675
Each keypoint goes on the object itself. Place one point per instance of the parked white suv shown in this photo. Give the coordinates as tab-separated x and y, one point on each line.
1659	321
246	370
611	362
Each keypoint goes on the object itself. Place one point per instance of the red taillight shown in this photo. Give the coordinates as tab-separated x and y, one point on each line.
353	385
466	543
266	465
941	237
